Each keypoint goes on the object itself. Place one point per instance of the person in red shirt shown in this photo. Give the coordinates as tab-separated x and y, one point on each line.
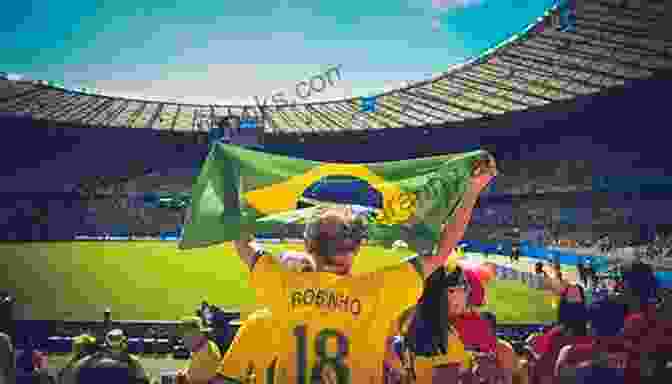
571	329
605	351
645	341
647	337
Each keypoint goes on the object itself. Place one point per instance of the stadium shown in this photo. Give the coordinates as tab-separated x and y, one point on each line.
97	188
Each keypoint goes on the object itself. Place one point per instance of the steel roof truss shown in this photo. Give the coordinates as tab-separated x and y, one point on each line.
497	94
620	38
401	112
439	106
135	116
98	110
175	116
469	94
324	118
540	74
510	92
594	38
409	111
143	119
47	106
581	22
153	121
341	117
455	100
498	80
112	114
439	114
596	53
122	119
291	126
614	21
464	113
83	113
607	58
77	105
630	12
386	120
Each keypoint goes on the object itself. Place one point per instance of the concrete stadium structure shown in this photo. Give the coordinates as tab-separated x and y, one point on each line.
614	43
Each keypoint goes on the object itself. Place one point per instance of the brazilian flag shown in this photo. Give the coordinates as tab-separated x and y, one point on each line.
242	190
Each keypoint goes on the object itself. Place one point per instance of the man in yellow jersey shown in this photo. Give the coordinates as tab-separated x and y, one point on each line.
337	323
205	354
250	358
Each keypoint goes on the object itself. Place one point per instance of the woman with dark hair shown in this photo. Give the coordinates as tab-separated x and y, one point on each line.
444	338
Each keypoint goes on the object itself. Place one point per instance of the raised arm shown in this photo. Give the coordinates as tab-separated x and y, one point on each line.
454	229
248	250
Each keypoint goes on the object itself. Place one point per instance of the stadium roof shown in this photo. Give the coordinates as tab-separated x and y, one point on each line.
612	42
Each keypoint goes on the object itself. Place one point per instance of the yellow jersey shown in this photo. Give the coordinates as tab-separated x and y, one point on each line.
334	325
252	352
203	364
423	365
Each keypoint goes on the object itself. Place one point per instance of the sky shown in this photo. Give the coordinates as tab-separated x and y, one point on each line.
229	52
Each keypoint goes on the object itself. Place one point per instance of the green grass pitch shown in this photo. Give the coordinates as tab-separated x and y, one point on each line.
153	280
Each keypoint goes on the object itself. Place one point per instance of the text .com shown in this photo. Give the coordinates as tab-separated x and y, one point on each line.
305	89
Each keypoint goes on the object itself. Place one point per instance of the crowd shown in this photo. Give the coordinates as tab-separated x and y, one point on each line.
416	321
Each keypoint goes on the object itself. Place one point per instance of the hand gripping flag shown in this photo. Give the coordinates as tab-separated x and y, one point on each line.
241	190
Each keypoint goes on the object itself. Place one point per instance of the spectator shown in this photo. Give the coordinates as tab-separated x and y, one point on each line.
7	362
40	371
455	335
515	253
112	364
427	345
205	312
571	329
539	269
592	274
582	273
578	362
205	354
244	361
33	363
507	360
82	346
648	337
